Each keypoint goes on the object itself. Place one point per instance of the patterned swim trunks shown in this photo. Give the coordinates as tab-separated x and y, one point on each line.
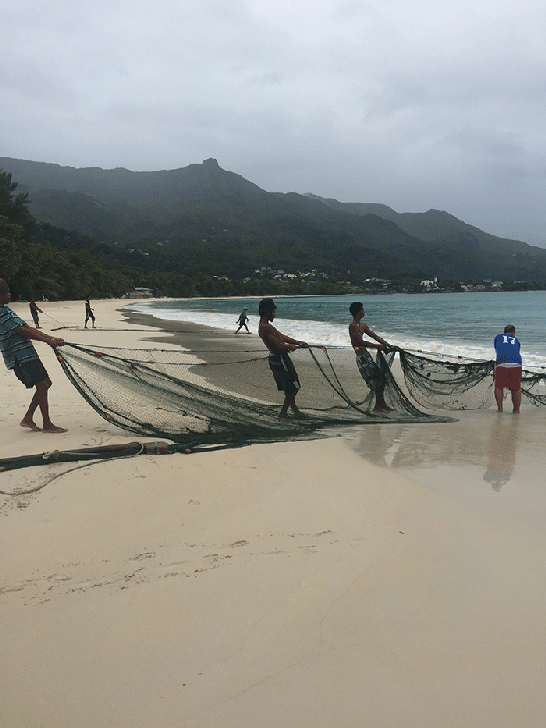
369	371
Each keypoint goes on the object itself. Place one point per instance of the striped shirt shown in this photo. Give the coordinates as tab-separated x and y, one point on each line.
13	346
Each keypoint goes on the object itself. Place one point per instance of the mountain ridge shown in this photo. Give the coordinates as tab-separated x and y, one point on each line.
202	208
428	225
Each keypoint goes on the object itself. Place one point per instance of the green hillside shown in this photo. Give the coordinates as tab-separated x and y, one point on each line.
202	220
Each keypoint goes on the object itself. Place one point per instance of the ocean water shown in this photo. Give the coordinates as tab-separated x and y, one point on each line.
447	325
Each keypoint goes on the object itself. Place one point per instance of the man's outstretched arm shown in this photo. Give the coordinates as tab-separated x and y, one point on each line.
38	335
375	336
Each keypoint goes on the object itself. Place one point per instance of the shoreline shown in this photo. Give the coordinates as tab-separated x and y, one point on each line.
392	576
328	325
187	338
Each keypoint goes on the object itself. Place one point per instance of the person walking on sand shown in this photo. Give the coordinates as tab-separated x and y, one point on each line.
34	311
508	367
281	365
88	313
243	318
370	372
20	355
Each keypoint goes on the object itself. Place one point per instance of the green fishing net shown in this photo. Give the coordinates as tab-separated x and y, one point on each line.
461	384
229	396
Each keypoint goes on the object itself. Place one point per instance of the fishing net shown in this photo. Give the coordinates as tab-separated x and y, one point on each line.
533	387
210	398
446	385
229	397
460	385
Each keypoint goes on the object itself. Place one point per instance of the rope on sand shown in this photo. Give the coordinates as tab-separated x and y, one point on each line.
104	452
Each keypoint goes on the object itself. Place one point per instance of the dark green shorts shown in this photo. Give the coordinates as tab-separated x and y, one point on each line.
30	372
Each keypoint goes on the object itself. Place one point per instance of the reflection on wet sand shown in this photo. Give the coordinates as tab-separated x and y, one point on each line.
487	441
403	446
502	451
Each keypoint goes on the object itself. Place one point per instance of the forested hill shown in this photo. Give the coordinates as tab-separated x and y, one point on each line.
435	225
206	219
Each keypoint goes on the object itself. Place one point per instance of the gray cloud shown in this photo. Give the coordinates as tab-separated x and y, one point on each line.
416	106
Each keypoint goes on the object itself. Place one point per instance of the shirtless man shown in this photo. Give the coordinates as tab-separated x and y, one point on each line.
370	372
280	363
20	355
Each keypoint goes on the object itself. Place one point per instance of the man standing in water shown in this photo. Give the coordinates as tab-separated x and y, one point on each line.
279	361
370	372
508	367
20	355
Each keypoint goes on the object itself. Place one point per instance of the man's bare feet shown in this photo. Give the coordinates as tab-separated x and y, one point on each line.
53	429
300	415
30	425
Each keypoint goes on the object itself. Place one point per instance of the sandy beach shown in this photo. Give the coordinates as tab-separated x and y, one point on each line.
390	576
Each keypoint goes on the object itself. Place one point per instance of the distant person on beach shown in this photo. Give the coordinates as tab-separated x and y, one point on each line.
279	361
508	367
20	355
88	313
369	370
243	318
34	311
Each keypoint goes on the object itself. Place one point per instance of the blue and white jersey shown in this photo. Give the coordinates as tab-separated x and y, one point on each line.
507	348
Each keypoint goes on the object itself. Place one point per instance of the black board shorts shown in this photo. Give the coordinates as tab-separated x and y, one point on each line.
30	372
284	372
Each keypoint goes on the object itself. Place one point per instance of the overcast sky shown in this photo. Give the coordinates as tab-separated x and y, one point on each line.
417	105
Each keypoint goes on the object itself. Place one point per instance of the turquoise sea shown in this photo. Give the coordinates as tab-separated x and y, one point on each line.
450	324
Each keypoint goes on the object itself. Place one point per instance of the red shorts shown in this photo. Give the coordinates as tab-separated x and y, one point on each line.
509	377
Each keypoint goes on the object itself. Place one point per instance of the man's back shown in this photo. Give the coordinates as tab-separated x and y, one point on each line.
508	349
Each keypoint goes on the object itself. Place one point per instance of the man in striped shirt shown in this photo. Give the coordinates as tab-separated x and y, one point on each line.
20	355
